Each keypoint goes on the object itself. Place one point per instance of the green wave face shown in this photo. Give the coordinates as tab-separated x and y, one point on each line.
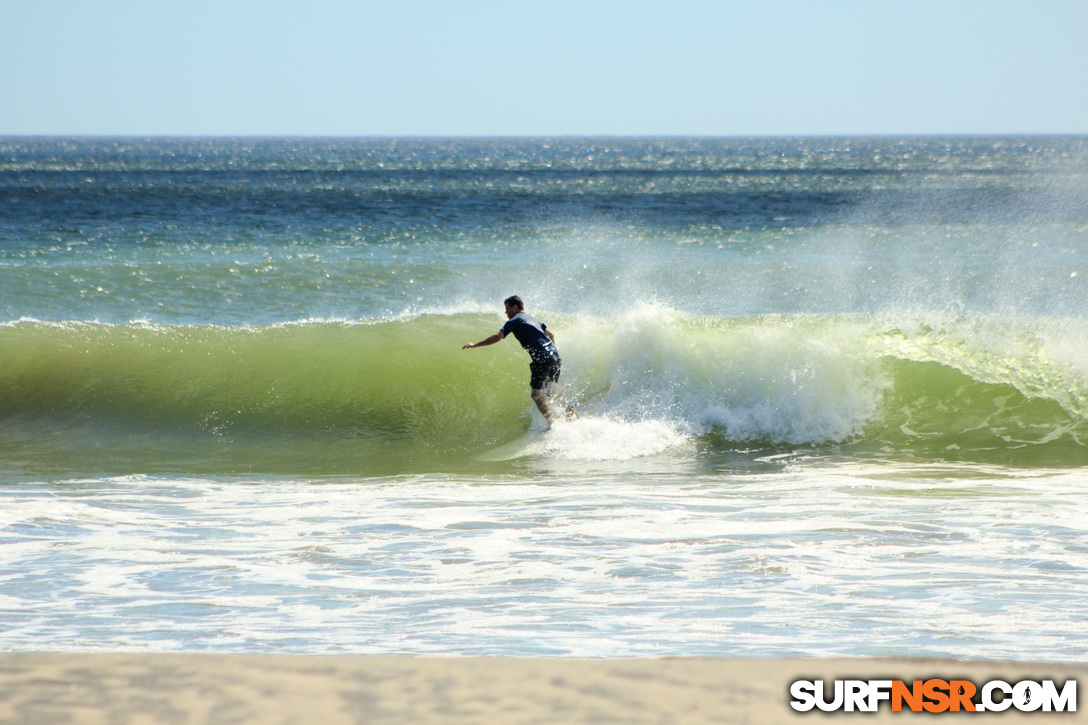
400	396
323	395
1001	391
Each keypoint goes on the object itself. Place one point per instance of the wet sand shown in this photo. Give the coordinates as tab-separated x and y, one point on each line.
40	689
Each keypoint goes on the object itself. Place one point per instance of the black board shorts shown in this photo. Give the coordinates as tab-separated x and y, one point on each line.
543	372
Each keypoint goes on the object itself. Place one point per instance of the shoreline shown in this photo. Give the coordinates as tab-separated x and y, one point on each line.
138	687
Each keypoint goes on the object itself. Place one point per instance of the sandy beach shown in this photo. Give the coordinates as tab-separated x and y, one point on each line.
36	689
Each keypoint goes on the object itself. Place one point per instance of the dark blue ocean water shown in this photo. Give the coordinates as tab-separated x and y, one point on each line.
771	225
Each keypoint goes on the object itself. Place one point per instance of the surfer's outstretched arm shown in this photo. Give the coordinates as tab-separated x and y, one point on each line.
497	337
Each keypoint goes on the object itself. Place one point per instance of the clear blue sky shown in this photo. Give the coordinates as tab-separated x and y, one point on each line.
543	67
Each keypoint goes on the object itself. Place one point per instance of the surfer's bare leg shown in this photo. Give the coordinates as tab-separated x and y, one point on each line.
541	400
546	398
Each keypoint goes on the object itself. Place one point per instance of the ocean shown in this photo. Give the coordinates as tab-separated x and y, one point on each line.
835	397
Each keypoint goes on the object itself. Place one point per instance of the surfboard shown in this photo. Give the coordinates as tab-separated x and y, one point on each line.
530	443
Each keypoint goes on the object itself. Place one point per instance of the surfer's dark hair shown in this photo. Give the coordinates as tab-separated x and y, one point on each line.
515	301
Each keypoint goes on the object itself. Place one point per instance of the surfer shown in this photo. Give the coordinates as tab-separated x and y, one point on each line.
539	342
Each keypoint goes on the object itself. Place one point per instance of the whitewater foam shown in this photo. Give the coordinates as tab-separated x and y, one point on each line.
602	439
